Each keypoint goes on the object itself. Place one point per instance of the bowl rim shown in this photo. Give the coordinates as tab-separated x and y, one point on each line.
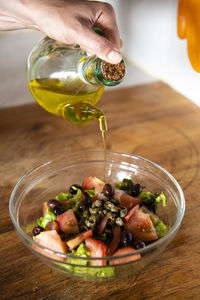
154	244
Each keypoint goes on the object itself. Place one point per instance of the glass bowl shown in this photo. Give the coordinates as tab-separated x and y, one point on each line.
49	179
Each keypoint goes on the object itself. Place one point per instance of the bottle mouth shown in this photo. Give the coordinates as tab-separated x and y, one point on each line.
110	74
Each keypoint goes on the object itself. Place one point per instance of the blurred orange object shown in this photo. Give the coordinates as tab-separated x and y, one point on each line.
188	26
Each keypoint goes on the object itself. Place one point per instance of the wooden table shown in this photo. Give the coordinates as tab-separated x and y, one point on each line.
152	121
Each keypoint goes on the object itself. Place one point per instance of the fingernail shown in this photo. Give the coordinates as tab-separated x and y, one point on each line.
114	57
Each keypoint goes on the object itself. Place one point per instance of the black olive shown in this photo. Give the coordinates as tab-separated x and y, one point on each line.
37	230
74	191
84	203
52	203
136	190
126	238
138	244
108	190
58	210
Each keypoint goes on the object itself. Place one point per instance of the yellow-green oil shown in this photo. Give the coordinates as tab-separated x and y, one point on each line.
72	100
54	95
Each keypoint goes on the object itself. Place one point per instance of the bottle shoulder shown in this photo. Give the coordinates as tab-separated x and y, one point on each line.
52	59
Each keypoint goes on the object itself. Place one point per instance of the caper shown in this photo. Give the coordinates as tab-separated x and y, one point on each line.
93	210
97	203
111	222
123	212
100	213
105	211
93	219
86	213
111	215
115	209
119	221
115	201
108	204
87	223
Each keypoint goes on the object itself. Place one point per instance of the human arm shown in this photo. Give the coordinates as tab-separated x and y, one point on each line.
67	21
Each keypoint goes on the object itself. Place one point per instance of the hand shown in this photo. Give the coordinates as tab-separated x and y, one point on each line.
67	21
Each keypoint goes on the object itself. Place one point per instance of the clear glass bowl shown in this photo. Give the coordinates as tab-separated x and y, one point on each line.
49	179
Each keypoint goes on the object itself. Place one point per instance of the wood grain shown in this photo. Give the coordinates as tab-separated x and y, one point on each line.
152	121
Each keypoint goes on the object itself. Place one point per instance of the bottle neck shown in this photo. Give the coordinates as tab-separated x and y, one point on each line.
98	72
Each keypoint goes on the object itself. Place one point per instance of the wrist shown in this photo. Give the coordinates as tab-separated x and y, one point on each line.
14	14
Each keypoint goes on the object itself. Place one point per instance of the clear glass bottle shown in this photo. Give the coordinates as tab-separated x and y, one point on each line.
67	82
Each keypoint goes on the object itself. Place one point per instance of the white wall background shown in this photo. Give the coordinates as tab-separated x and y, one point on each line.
148	29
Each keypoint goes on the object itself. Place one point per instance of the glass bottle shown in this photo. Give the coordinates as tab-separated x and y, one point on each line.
68	82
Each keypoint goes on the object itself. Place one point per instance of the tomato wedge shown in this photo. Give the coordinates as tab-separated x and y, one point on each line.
141	226
97	249
123	251
130	213
67	222
125	199
51	239
93	182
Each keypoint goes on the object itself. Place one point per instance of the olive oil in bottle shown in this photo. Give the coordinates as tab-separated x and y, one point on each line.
74	102
67	82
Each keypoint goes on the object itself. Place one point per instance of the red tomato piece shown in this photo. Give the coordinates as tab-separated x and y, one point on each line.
141	226
130	213
125	199
97	249
93	182
123	251
67	222
51	240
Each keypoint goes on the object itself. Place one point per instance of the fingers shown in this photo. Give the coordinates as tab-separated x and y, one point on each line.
106	47
98	45
107	21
